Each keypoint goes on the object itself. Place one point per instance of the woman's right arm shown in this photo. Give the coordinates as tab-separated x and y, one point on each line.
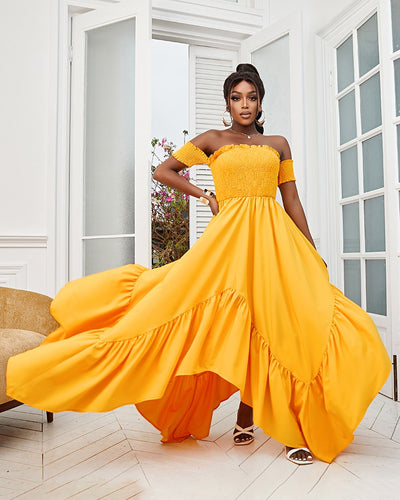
167	173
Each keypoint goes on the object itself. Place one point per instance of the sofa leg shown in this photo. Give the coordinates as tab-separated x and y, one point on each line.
49	416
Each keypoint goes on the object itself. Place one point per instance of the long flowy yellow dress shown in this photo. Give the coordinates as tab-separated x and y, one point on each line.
249	307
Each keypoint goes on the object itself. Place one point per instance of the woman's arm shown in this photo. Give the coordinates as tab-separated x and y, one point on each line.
294	208
167	173
290	196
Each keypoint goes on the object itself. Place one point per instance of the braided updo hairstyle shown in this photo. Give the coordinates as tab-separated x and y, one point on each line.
248	73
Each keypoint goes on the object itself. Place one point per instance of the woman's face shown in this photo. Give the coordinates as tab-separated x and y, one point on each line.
243	103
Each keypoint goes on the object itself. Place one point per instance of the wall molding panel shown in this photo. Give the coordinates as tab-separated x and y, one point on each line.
23	262
14	275
23	241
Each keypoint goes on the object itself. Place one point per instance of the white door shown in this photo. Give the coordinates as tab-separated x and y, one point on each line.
276	51
363	198
110	176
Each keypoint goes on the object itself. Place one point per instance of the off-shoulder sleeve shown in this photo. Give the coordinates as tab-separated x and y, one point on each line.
286	172
189	154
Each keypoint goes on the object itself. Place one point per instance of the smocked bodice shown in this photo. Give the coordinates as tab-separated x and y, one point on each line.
241	170
244	171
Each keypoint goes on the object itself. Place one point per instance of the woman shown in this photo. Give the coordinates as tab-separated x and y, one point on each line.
248	307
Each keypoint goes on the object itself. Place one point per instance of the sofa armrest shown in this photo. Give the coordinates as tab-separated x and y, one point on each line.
24	310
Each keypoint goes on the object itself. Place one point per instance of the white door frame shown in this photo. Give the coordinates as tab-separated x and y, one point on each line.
326	42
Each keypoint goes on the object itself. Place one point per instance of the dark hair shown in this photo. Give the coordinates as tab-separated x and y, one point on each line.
248	73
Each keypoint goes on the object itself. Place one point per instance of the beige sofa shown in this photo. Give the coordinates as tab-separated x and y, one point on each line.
25	320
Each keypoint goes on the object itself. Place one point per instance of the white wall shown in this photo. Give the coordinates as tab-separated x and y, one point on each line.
24	101
24	149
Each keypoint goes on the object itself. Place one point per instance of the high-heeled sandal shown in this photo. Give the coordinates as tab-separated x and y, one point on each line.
246	430
298	461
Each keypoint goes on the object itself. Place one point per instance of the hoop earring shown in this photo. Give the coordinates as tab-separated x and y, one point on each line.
225	120
261	120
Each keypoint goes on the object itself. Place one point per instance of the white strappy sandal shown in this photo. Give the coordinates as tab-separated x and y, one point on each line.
298	462
247	430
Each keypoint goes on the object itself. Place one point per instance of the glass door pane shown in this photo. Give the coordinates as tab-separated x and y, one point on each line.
273	63
374	224
347	117
345	64
351	228
352	280
376	286
109	164
396	67
349	171
101	254
395	7
370	103
398	150
372	152
368	53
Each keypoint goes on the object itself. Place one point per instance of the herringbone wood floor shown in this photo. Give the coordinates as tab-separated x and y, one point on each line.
118	455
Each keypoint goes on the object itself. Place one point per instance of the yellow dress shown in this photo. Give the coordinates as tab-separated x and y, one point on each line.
248	307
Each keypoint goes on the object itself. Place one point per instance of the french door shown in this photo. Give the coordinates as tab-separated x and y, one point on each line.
364	235
110	176
359	54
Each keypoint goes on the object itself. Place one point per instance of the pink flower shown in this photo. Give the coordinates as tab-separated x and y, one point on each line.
168	198
167	214
164	140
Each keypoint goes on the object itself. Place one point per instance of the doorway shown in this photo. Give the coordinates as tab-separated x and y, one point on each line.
170	90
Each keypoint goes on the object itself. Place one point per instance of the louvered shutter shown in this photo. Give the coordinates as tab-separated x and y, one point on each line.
208	69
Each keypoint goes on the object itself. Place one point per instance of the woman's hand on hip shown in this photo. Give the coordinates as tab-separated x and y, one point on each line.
214	205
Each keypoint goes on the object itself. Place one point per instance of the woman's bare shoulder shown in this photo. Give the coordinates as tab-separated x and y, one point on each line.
280	143
209	141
